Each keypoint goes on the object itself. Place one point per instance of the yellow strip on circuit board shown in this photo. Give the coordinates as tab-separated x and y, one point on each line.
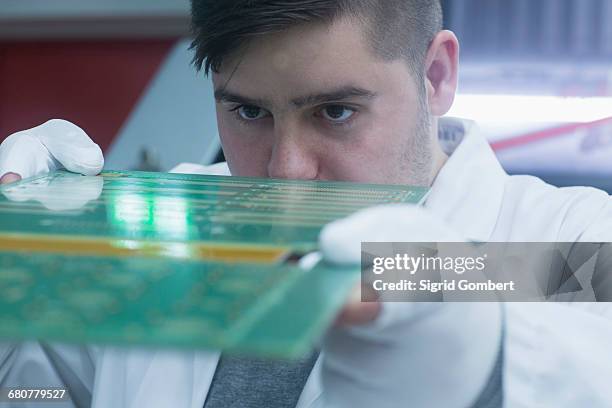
109	247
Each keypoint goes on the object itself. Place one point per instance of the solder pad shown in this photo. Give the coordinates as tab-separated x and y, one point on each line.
170	260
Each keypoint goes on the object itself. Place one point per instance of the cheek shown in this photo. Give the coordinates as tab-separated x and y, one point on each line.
366	163
247	153
370	155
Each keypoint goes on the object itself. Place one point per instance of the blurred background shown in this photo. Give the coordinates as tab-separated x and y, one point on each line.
535	74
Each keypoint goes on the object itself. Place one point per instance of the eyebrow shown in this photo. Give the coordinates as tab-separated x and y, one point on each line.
222	95
336	95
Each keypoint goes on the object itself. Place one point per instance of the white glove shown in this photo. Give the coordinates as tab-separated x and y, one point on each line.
53	145
412	354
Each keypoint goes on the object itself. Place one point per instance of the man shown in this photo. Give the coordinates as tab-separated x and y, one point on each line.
353	90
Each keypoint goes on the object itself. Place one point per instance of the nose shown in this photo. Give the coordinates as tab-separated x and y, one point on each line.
292	158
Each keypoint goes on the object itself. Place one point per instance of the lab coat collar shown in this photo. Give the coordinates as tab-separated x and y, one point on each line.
469	189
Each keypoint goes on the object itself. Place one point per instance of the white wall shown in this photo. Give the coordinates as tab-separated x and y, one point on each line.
175	118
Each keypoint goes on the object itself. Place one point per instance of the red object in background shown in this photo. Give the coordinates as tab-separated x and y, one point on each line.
94	84
548	133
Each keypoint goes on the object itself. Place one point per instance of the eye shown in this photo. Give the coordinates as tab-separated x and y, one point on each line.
337	113
251	113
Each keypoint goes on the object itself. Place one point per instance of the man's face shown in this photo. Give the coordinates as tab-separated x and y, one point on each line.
315	102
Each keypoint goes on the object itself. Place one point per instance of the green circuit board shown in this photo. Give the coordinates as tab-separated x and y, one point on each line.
135	258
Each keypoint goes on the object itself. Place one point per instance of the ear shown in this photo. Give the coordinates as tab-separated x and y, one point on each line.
441	66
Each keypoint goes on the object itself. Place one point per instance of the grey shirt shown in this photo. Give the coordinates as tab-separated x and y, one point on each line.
242	382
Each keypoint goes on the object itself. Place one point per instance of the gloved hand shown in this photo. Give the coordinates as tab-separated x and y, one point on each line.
393	354
56	144
340	243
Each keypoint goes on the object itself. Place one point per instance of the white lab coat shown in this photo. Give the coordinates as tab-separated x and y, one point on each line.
556	355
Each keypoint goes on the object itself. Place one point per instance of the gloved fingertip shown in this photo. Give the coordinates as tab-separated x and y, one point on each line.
71	147
90	160
337	246
95	163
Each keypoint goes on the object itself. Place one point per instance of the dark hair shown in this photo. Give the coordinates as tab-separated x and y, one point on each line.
396	28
